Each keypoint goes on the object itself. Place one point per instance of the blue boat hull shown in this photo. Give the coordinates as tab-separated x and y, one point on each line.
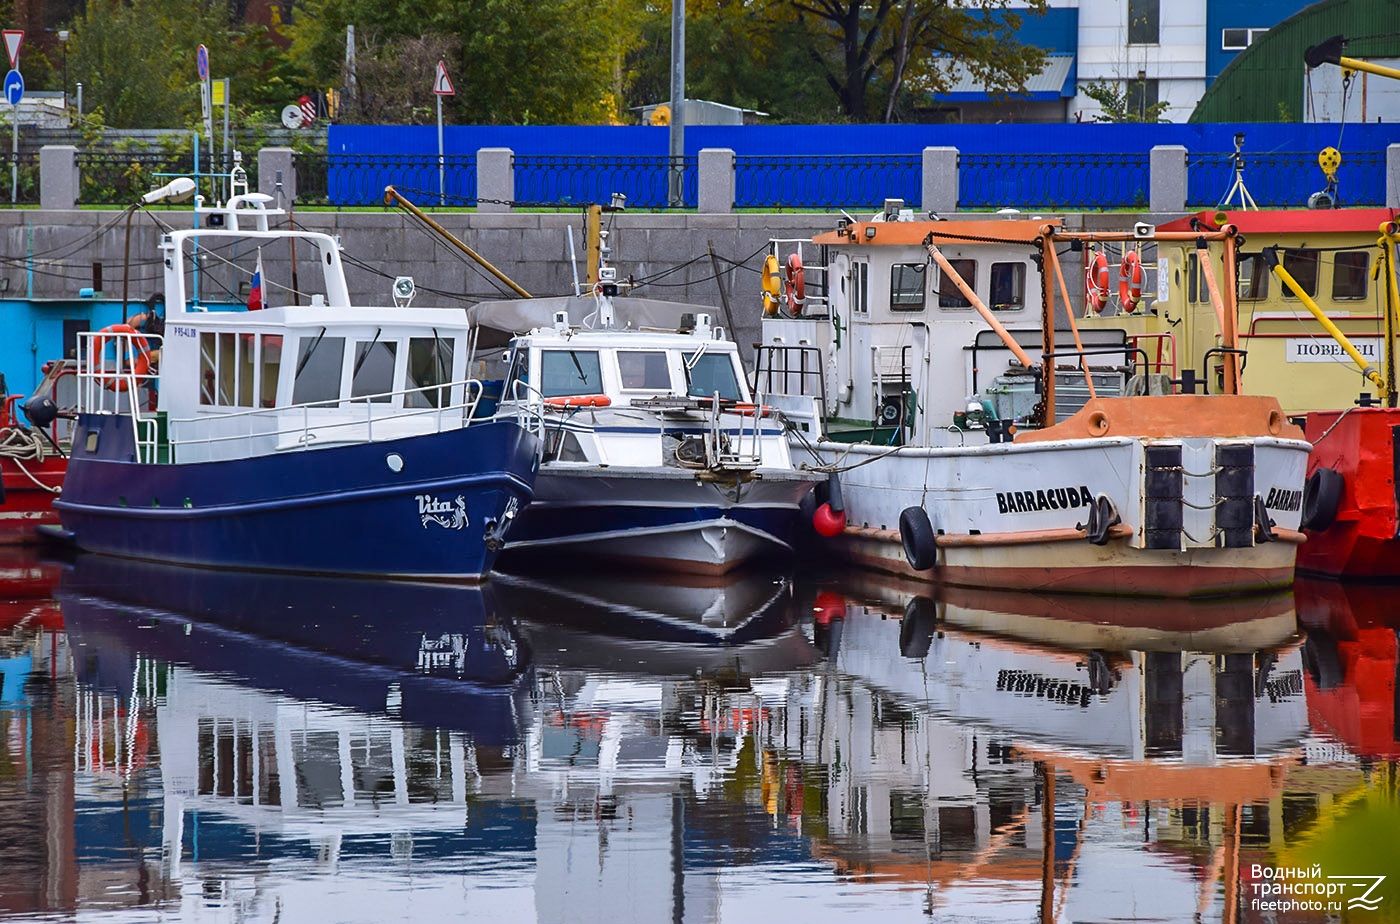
338	510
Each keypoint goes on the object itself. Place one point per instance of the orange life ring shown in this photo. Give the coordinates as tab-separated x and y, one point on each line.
578	401
1096	283
796	285
770	286
1130	281
140	361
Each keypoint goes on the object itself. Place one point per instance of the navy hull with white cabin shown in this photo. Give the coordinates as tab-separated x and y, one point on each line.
308	436
656	453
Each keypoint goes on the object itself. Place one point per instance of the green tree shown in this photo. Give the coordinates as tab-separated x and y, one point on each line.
511	61
1118	106
879	55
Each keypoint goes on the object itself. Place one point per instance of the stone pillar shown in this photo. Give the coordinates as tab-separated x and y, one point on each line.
1166	170
277	175
940	180
495	179
716	181
58	177
1392	176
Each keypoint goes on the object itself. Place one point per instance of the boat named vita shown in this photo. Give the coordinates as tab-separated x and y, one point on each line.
308	435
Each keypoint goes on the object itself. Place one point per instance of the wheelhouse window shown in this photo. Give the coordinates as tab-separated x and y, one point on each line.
907	287
949	295
319	363
860	288
227	369
1302	266
570	372
1008	286
1349	275
372	378
1252	277
270	368
644	369
429	366
517	387
713	372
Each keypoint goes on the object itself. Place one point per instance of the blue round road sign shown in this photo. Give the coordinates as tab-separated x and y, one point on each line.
201	60
14	88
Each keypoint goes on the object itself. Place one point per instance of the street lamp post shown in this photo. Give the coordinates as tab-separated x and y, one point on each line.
63	41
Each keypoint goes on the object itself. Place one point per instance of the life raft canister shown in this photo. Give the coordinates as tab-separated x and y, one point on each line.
1130	281
1096	283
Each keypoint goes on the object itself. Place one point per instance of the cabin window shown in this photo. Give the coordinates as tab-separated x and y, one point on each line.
270	363
713	372
247	369
429	365
644	369
1196	288
1253	277
1349	271
208	356
570	372
373	375
860	290
1008	281
949	295
907	287
517	387
1302	266
319	362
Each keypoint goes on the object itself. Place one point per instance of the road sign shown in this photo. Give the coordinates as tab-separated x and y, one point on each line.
14	88
13	38
201	61
308	109
442	84
292	117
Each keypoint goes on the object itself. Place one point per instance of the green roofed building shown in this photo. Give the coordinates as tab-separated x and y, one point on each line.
1268	82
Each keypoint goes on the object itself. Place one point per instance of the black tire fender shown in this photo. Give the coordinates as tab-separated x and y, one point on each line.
1322	497
917	536
917	628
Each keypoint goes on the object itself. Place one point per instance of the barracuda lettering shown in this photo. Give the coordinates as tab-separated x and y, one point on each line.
1281	499
1043	499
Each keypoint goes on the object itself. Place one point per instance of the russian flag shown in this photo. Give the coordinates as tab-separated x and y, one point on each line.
255	291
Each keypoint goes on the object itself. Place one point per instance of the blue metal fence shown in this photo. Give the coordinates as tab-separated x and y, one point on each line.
1081	182
359	179
775	182
569	182
1282	178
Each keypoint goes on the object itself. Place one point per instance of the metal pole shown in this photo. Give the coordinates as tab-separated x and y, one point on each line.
442	173
677	151
14	156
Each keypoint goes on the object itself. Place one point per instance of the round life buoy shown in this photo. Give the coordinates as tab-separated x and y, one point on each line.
1096	283
770	286
1322	496
1130	281
917	536
578	401
796	285
117	380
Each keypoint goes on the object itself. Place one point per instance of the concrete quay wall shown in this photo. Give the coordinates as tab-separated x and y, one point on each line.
54	254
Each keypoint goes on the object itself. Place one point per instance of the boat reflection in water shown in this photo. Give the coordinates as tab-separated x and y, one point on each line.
1078	758
851	749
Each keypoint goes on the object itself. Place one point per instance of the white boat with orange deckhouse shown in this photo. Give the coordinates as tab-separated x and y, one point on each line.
904	363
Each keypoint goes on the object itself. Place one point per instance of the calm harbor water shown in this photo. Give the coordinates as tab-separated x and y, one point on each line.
186	746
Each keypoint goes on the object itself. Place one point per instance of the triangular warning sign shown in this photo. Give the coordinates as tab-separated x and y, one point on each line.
442	84
13	37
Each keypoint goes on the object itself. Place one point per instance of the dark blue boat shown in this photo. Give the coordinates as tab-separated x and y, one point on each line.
307	436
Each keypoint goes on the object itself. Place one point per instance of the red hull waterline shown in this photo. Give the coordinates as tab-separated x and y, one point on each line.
1361	542
30	489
